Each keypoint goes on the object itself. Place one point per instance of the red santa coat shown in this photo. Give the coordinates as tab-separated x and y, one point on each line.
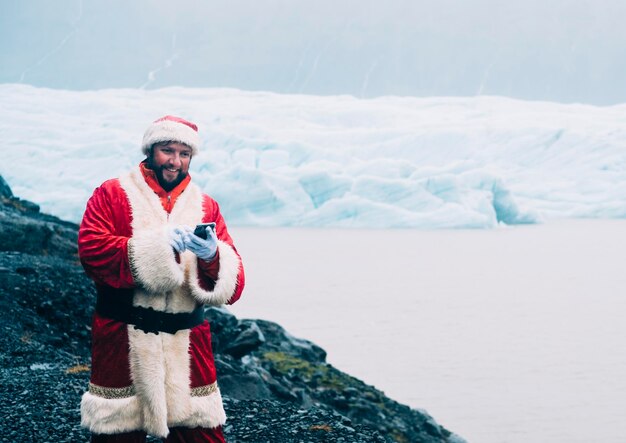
146	381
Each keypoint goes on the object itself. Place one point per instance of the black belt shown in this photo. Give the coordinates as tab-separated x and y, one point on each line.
116	304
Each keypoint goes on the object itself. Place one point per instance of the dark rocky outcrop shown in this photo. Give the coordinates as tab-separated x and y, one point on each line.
278	366
277	388
24	229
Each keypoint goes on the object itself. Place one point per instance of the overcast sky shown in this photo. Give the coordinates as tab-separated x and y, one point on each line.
559	50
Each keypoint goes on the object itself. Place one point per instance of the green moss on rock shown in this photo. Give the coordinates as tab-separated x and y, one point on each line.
318	374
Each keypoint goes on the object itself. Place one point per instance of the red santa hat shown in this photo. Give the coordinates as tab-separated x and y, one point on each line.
171	129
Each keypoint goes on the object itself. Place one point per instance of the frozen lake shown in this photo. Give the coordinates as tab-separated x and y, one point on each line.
510	335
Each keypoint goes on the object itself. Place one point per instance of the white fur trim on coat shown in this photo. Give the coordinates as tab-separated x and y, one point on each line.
148	373
152	261
161	377
226	282
116	416
177	375
206	412
109	416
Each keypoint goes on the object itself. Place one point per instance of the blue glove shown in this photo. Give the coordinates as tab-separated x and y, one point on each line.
177	236
204	249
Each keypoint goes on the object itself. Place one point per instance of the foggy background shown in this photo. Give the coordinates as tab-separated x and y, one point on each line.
564	50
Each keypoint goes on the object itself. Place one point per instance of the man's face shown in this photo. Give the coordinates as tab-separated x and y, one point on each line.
170	162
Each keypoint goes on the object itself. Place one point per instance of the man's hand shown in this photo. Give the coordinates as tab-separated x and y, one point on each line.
177	236
204	249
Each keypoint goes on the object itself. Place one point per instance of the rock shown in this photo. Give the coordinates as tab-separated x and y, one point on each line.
221	319
223	324
26	270
5	190
249	339
36	237
248	386
281	340
27	206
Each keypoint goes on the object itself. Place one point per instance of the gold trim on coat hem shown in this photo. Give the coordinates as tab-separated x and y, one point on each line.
111	393
203	391
129	391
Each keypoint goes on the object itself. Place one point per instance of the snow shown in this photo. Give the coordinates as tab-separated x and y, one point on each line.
338	161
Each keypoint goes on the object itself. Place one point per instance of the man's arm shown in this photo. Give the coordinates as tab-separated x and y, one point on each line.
103	238
224	275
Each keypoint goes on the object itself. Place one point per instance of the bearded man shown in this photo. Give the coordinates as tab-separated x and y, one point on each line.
152	368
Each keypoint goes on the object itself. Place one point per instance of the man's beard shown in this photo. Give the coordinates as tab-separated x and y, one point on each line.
166	185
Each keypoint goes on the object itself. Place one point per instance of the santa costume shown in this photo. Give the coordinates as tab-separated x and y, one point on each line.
152	366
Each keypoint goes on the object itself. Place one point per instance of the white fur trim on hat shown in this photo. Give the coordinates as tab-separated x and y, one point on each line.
174	129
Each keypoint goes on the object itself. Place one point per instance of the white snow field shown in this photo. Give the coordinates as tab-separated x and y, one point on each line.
339	161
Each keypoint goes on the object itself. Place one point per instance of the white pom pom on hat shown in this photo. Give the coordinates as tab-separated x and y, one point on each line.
171	129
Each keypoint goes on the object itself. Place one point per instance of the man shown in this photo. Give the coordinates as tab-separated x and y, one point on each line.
152	364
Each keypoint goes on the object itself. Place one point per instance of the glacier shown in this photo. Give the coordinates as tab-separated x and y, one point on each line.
330	161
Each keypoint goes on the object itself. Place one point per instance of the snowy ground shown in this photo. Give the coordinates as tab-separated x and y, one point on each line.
507	335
